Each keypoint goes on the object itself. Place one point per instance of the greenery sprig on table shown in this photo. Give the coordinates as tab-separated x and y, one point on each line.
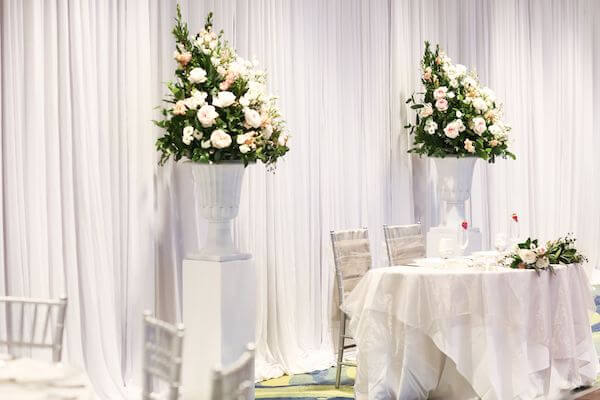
456	117
528	255
218	108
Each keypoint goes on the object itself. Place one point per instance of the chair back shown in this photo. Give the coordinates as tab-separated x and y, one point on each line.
404	243
163	347
352	258
235	382
32	323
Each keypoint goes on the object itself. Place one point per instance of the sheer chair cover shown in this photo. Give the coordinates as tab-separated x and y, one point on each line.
404	243
235	382
352	258
163	346
29	324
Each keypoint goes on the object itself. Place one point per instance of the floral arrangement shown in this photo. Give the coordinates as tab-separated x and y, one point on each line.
528	255
456	117
218	108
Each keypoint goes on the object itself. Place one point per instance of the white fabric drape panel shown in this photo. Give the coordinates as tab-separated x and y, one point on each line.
87	212
541	58
77	173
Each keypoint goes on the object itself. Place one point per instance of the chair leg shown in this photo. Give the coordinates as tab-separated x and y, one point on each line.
341	341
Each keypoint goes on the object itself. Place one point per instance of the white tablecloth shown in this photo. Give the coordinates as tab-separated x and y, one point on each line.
26	379
466	332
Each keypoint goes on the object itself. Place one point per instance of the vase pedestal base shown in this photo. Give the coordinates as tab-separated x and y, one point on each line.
219	314
436	233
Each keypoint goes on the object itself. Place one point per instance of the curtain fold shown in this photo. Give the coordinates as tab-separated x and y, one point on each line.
86	211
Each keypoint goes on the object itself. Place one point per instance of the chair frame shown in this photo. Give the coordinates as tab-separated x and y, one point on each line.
56	340
386	233
173	354
220	374
343	336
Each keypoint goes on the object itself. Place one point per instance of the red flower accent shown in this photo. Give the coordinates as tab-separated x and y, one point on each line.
515	217
465	225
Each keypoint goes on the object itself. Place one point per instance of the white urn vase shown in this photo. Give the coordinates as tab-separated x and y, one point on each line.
218	188
454	180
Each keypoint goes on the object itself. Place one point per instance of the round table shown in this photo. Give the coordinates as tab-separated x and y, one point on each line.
464	332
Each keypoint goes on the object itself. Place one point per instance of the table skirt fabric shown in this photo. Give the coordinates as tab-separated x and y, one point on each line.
467	333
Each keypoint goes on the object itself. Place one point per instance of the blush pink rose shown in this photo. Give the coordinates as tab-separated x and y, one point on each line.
441	104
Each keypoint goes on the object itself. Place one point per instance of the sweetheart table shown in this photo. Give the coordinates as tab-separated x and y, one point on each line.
464	332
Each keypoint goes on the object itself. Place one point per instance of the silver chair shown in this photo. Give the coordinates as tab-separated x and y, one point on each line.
235	382
33	323
352	259
404	243
163	346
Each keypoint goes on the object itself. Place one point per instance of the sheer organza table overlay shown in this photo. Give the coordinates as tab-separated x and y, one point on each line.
27	379
471	332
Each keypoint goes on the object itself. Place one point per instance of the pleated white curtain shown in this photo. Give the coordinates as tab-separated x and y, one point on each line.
77	173
543	60
87	212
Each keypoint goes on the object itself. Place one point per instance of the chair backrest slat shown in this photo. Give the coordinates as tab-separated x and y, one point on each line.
19	311
352	258
404	243
235	382
163	346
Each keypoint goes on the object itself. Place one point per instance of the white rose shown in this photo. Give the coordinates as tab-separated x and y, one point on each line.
479	104
282	141
460	69
207	115
241	139
440	92
220	139
223	99
244	101
494	129
454	83
244	148
198	99
188	134
450	95
426	111
431	126
479	125
267	131
197	75
205	144
488	94
528	256
252	117
542	262
458	114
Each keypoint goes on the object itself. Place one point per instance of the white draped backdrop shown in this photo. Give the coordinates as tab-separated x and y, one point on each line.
86	211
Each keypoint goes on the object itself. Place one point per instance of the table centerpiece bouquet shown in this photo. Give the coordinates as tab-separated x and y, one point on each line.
529	255
219	117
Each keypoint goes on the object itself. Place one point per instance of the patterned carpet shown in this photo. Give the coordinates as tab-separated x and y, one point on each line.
312	386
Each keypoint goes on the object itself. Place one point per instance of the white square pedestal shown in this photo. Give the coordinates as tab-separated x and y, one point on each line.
219	314
436	233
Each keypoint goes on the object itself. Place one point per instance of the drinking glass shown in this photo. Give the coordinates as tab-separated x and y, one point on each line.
446	247
500	242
